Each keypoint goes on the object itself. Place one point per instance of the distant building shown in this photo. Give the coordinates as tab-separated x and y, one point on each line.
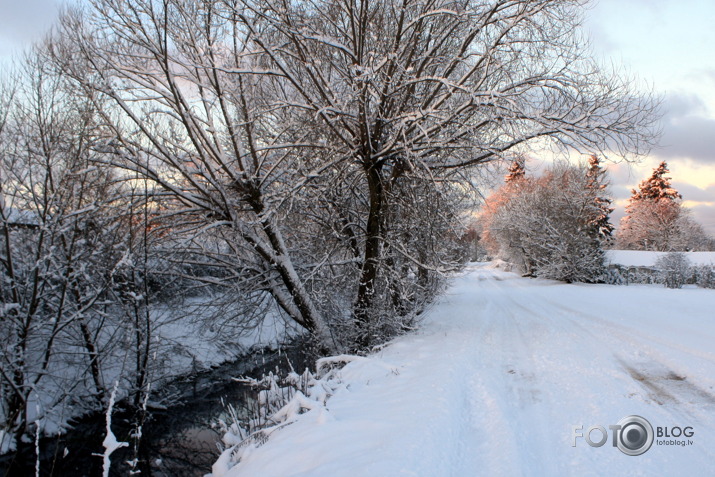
19	219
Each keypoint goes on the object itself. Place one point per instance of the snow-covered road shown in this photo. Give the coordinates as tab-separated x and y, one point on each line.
499	374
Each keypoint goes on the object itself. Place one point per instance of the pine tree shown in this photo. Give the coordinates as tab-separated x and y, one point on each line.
516	170
654	216
656	187
597	184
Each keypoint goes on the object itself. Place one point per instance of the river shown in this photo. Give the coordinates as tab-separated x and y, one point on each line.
177	440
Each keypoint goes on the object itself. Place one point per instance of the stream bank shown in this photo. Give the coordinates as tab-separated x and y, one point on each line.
177	440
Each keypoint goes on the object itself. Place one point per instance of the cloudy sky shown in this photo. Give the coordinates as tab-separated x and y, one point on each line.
668	45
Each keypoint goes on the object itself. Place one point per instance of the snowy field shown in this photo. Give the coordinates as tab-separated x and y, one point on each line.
499	374
642	258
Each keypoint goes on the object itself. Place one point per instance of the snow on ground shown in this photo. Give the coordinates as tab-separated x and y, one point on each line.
195	346
499	374
641	258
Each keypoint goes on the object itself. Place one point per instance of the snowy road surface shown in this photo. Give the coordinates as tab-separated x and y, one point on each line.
499	374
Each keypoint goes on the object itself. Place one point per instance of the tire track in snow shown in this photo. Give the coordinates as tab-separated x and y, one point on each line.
507	399
646	364
520	328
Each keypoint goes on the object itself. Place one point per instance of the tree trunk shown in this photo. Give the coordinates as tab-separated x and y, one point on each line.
93	358
311	318
276	253
373	238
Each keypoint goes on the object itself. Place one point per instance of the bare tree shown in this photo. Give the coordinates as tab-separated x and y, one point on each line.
209	138
74	256
237	107
57	245
437	86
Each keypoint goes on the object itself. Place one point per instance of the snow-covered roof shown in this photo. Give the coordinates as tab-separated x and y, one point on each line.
21	217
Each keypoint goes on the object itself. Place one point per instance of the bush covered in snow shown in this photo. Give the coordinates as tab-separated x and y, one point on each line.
705	276
552	226
620	275
671	269
280	400
674	269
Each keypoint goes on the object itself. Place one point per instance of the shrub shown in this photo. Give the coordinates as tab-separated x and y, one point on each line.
705	276
674	268
551	226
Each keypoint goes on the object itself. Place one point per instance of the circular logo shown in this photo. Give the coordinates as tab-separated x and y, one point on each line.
635	435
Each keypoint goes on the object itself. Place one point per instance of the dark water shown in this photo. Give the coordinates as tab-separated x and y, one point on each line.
177	441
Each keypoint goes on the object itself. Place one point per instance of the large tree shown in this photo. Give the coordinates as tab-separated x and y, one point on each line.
241	109
656	220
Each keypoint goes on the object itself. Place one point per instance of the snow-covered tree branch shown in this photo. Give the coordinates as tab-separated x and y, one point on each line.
315	139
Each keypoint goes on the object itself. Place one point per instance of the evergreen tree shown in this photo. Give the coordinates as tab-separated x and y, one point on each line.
655	219
597	184
516	170
656	187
